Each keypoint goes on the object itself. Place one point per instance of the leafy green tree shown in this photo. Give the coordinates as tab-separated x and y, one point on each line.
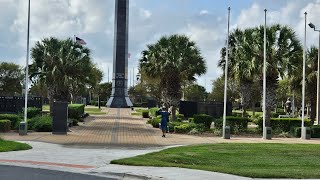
38	89
172	60
242	64
311	80
217	93
104	90
195	92
11	78
62	66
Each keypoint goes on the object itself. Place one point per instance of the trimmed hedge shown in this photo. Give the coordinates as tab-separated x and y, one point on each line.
42	124
315	131
33	112
237	124
276	115
15	119
283	124
239	114
75	111
145	113
5	125
203	119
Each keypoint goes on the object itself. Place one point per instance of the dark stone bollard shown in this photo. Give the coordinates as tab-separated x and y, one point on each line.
60	118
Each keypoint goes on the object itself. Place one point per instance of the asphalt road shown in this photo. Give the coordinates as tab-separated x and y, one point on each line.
26	173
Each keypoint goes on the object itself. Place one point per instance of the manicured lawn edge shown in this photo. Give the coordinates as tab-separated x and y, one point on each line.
256	160
6	146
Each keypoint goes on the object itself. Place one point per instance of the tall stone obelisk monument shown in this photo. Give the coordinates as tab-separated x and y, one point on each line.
119	97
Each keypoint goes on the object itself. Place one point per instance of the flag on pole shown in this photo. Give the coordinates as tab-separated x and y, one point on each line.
80	41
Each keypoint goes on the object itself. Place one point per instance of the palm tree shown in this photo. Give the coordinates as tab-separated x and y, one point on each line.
311	80
283	58
172	59
62	65
242	64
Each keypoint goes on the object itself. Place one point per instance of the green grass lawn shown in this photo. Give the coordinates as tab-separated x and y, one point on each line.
94	111
250	160
46	108
250	113
6	146
90	110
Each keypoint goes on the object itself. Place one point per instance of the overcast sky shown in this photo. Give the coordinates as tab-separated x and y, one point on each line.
204	21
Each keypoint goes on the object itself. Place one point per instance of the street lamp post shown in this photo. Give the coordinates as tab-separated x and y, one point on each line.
226	130
318	73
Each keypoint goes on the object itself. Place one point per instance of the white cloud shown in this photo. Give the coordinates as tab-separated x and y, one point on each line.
204	12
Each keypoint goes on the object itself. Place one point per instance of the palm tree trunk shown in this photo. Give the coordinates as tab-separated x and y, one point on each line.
245	92
313	109
270	98
174	117
253	108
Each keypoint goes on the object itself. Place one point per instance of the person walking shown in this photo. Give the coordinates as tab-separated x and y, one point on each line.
164	120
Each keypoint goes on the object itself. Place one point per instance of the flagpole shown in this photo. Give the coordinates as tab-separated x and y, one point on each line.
108	75
264	74
224	134
25	130
303	77
132	76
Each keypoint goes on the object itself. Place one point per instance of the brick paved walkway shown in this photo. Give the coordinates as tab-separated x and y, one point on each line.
119	128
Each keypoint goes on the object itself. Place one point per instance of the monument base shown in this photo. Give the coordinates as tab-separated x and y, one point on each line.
119	102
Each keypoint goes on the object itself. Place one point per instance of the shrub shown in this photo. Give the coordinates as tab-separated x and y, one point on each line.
74	122
172	124
33	112
183	128
75	111
237	124
181	116
93	102
145	113
42	123
136	104
179	120
153	111
276	115
283	124
5	125
315	131
15	119
191	120
203	119
155	122
239	114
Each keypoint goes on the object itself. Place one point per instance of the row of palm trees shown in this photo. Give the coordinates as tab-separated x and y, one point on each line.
284	61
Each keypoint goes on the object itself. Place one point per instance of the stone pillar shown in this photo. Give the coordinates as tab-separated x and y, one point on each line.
119	97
